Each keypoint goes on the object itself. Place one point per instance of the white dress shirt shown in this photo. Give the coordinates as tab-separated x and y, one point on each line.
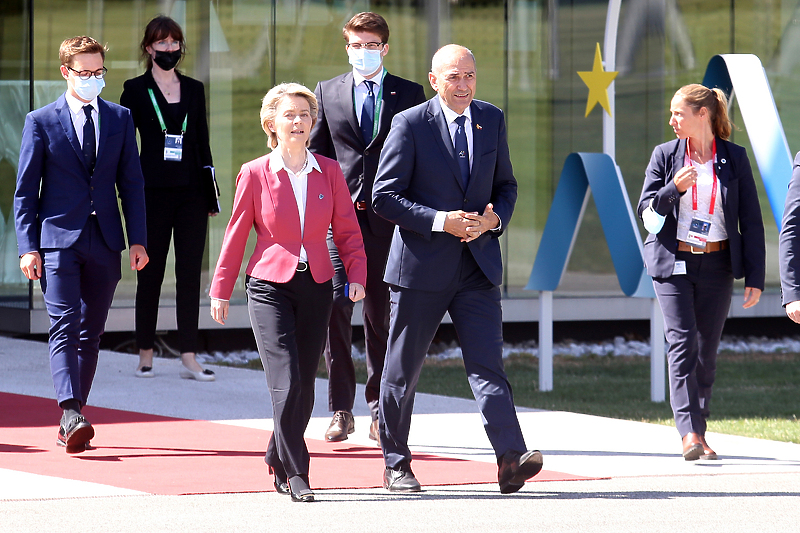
360	90
79	118
299	183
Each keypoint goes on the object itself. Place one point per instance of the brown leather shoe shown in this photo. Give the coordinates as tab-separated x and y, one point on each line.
375	432
341	426
692	447
708	453
515	469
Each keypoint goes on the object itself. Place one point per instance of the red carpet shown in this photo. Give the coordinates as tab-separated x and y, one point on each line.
162	455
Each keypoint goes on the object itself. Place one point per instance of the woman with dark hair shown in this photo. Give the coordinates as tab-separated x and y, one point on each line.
290	197
700	206
169	109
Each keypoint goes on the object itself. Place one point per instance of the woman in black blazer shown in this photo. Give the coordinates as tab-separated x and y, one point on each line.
169	109
700	206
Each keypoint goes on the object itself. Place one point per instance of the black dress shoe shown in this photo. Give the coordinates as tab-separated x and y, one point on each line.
516	469
400	480
280	482
299	490
75	434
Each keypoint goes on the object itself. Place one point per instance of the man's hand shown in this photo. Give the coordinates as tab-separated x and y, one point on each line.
219	310
793	311
31	265
485	222
138	257
751	297
457	222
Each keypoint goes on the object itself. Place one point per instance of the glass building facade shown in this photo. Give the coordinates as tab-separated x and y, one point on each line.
528	54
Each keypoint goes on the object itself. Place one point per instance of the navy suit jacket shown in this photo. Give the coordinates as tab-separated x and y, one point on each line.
418	175
337	134
789	249
55	192
737	190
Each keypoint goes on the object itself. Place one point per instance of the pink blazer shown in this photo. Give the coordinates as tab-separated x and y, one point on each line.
265	201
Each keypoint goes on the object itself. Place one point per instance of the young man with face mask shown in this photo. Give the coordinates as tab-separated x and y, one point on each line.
355	113
78	156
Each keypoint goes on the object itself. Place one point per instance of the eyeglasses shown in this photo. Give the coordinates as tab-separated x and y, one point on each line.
86	74
368	46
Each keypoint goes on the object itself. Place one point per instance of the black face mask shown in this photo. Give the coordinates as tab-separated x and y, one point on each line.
167	60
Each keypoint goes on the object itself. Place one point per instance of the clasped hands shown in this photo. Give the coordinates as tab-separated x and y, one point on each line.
220	308
468	226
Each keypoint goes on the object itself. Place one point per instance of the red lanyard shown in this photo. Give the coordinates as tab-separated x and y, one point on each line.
713	175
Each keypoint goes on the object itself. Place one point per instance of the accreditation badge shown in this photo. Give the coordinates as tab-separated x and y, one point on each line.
173	147
698	232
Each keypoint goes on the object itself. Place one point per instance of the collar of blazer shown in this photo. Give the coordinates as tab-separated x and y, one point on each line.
65	117
280	187
174	123
723	167
441	132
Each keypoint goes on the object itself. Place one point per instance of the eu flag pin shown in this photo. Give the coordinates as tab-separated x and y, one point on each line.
321	196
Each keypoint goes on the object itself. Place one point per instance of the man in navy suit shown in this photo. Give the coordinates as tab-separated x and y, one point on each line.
789	247
355	112
445	179
77	155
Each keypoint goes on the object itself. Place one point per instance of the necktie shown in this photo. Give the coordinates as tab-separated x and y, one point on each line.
89	142
462	150
368	113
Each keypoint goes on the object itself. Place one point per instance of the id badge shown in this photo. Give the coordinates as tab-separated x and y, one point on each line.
698	232
173	147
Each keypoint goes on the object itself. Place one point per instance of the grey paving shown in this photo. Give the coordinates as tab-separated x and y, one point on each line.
641	482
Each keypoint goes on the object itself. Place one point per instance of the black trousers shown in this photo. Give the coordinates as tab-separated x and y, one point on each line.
289	322
375	312
182	212
474	305
695	306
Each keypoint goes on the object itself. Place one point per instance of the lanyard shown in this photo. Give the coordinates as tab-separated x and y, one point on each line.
160	118
378	104
713	175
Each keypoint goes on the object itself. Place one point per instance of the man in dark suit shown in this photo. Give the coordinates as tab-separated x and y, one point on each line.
355	112
789	247
445	179
77	155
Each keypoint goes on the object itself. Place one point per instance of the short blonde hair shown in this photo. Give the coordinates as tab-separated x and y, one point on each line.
269	106
79	45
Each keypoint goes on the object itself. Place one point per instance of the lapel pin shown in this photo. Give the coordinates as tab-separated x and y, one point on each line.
722	161
321	196
393	92
478	126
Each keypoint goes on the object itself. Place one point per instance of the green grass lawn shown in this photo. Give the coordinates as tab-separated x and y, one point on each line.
755	395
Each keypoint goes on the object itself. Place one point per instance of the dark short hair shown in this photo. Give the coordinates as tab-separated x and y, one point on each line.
79	45
369	22
157	29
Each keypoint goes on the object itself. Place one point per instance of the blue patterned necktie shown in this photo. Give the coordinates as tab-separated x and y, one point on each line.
368	113
462	150
89	140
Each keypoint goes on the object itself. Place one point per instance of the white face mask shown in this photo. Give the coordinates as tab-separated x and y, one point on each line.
87	89
365	61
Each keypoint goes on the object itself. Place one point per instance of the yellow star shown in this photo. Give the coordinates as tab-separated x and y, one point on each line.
598	81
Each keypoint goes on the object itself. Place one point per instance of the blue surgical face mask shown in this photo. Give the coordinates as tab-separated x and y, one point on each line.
87	89
365	61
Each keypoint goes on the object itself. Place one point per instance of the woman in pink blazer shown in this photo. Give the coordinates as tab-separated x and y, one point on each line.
290	197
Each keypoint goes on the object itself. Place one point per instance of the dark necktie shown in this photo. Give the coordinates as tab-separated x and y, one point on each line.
368	113
89	142
462	150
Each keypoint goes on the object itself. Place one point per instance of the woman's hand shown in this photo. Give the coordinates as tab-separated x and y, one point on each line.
357	292
219	310
685	178
751	297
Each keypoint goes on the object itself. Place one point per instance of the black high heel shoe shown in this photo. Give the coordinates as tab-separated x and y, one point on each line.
299	490
280	483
